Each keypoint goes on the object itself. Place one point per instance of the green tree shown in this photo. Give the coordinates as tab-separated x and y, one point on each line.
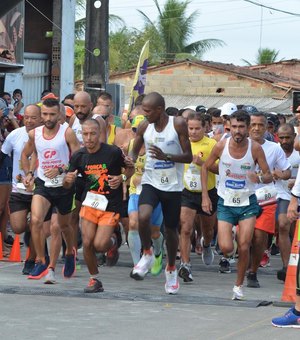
264	56
174	29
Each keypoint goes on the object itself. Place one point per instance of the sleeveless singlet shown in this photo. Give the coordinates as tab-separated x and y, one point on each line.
234	186
52	153
163	175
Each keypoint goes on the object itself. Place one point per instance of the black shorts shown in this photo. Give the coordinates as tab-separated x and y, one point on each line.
79	189
124	210
19	202
193	200
170	203
61	198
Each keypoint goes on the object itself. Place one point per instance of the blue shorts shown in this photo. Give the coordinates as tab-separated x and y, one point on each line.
6	171
235	214
133	205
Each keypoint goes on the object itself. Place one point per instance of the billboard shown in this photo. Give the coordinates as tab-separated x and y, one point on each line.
12	37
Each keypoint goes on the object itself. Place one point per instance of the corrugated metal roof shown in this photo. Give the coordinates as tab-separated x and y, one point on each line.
262	104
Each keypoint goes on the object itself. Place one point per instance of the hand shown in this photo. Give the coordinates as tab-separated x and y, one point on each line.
206	204
291	183
197	159
292	212
114	181
70	177
253	177
128	162
28	181
51	173
11	115
277	174
157	153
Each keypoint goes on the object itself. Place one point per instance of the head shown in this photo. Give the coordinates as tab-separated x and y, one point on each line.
172	111
281	118
216	119
17	94
82	105
258	126
207	119
196	126
50	113
62	117
139	99
186	113
91	134
286	136
273	122
32	117
105	104
201	109
7	97
69	100
153	106
239	125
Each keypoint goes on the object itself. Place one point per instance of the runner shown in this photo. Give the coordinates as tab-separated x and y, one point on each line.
237	204
51	145
100	165
191	197
167	148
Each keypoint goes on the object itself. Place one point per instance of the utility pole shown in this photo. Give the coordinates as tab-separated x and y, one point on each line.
96	43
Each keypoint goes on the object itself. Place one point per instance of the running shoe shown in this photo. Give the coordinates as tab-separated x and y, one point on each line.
288	320
28	267
252	281
185	272
265	261
40	270
94	286
50	277
207	253
238	293
172	283
157	266
70	265
101	259
275	249
281	274
78	264
9	241
224	266
140	270
112	256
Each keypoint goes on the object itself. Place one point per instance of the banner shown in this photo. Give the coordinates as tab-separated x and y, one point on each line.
139	82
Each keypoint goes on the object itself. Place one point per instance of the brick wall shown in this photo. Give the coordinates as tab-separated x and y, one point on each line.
187	79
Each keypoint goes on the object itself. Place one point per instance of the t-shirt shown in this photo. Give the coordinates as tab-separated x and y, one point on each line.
95	168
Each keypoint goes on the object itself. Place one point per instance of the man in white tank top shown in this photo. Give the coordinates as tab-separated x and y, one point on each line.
286	136
167	149
237	203
52	145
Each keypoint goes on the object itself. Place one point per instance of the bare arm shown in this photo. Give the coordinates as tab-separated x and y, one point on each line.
72	140
266	176
29	166
138	141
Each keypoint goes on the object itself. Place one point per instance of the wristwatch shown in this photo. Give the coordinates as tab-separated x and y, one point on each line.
60	170
30	172
168	157
124	178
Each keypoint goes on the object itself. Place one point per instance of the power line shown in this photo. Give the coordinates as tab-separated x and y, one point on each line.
272	8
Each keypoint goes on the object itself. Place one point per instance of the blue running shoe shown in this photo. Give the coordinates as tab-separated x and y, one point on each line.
70	265
40	269
289	320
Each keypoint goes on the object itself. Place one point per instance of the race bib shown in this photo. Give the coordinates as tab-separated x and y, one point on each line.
21	188
54	182
165	176
95	201
192	180
266	194
236	198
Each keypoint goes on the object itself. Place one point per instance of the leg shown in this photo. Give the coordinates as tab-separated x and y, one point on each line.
88	235
4	197
134	240
56	239
64	221
145	211
259	244
187	216
284	241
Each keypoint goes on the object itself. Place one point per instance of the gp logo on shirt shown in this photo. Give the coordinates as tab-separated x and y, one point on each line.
50	153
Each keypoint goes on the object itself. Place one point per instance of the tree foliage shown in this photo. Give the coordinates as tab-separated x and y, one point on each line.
264	56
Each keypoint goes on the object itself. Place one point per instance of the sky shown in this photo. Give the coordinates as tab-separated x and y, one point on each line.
244	27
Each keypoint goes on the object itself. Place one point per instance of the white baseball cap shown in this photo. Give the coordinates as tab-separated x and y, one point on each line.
227	109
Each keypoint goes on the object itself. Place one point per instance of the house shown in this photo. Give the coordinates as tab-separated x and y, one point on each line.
191	83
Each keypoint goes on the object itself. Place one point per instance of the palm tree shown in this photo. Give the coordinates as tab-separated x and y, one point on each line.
175	28
264	56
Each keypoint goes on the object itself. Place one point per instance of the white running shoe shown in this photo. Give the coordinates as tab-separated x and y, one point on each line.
238	293
172	283
50	277
144	265
207	253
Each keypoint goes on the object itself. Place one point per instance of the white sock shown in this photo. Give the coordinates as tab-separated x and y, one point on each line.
157	244
135	245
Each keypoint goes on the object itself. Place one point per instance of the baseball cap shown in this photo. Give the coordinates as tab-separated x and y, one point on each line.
137	120
227	109
49	95
201	109
250	108
69	111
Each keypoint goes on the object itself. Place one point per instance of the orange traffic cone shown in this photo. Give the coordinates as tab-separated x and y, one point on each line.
1	250
15	254
289	291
